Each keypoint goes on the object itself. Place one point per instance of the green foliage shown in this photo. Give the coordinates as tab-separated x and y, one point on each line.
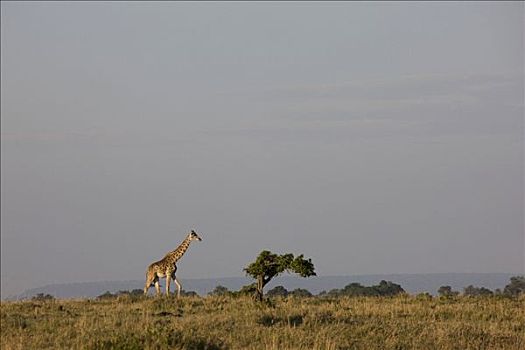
283	292
278	291
446	291
515	287
300	293
302	267
356	289
384	288
387	288
475	291
268	265
248	289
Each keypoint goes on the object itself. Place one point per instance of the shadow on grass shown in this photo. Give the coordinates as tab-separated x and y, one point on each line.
270	320
173	339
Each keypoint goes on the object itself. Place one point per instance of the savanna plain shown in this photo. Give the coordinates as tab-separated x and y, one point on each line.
225	322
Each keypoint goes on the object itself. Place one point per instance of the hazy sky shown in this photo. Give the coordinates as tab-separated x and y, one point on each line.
372	137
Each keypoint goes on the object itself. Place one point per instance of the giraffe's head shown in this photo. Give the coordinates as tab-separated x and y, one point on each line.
194	236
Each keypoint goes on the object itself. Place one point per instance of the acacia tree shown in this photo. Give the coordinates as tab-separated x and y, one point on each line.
268	265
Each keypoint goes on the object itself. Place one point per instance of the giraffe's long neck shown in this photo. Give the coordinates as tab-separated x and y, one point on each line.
175	255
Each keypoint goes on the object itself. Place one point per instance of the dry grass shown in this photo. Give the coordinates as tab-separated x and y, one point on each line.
403	322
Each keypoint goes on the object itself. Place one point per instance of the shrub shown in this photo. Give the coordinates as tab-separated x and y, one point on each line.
515	287
189	293
475	291
300	293
107	295
424	296
446	291
220	291
43	297
278	291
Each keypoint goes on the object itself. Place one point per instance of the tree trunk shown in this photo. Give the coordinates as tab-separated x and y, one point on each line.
258	296
261	282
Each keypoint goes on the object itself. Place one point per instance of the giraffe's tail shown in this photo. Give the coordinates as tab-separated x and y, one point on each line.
149	281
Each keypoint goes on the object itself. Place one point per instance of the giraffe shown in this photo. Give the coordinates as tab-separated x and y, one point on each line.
167	266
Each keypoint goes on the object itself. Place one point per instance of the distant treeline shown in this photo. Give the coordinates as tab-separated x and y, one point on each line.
515	287
384	288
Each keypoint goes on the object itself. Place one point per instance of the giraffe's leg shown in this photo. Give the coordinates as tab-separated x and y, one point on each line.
168	280
157	287
149	280
178	286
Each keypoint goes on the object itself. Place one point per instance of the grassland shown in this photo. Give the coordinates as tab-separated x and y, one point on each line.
403	322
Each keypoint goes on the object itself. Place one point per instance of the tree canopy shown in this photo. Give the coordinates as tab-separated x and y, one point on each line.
268	265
